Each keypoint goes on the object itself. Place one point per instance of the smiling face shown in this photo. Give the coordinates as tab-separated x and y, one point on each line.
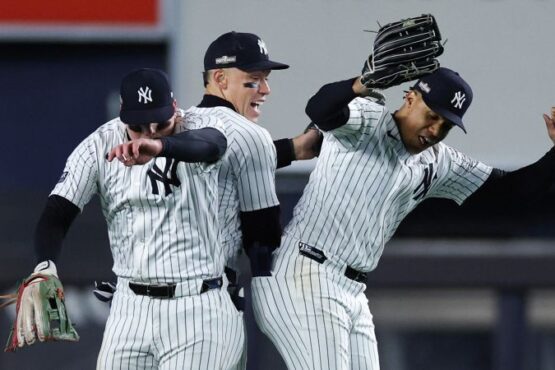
247	91
419	126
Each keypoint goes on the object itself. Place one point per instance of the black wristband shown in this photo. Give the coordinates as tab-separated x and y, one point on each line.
285	151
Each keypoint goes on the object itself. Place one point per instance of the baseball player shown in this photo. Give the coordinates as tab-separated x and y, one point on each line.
236	67
373	169
157	193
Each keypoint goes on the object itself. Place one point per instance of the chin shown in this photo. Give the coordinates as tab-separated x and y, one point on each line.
252	118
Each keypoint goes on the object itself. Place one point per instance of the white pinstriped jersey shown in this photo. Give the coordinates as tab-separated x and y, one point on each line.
159	229
365	183
247	174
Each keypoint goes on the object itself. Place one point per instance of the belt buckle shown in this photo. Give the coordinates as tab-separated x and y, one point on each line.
148	290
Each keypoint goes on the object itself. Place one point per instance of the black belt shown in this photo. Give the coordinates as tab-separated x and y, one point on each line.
317	255
168	290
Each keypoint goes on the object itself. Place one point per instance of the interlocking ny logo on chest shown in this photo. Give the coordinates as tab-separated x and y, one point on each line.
167	177
424	186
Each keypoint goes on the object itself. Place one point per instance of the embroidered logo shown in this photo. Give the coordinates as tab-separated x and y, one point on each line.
424	87
63	177
167	177
225	59
145	95
262	46
424	186
458	99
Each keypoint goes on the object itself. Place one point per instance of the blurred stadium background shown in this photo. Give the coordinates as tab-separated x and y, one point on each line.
455	290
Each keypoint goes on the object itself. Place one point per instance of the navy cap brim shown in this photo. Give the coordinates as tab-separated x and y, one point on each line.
262	65
147	116
449	116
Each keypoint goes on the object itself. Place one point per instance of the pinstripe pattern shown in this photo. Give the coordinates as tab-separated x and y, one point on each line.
369	181
246	180
316	317
193	332
363	186
247	174
159	233
147	231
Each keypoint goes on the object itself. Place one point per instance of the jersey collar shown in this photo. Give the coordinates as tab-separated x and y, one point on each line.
394	138
211	101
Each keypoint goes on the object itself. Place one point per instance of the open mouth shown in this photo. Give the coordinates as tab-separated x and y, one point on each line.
426	141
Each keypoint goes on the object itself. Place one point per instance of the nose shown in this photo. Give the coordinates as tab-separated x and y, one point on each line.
264	87
152	128
435	129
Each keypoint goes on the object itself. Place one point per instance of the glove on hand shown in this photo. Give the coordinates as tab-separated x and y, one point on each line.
40	310
403	51
104	290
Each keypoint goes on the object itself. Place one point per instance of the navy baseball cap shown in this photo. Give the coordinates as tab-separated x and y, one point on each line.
446	93
146	97
245	51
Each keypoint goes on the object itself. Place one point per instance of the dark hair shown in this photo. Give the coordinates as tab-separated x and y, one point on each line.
205	76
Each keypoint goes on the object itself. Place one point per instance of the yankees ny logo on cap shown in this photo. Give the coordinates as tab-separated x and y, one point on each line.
262	46
245	51
447	94
145	94
146	97
458	99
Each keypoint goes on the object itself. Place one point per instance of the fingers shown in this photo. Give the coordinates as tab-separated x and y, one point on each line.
41	327
26	319
123	152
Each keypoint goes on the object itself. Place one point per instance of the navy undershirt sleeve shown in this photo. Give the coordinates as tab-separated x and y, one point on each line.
202	145
328	108
52	227
521	186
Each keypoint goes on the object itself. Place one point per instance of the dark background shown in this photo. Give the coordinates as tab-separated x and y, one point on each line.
54	95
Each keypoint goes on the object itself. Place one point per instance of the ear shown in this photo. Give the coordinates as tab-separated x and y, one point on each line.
410	97
220	78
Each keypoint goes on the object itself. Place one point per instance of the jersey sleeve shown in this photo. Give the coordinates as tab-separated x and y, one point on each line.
364	117
458	176
79	180
255	157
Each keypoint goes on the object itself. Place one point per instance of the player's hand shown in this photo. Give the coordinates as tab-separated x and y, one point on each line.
550	124
136	152
40	311
307	145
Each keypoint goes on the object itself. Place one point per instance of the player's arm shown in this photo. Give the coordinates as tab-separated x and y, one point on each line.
304	146
261	231
54	222
328	108
524	185
202	145
521	186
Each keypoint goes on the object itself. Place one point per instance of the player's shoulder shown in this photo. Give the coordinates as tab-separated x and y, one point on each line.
192	120
370	106
235	124
112	129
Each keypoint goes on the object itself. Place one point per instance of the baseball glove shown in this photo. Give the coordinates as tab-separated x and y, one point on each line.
40	310
403	51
